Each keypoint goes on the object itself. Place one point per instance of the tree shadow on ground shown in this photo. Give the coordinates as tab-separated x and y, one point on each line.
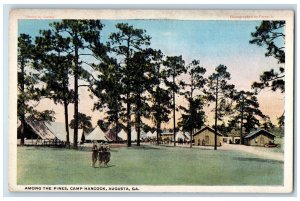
108	166
258	160
147	147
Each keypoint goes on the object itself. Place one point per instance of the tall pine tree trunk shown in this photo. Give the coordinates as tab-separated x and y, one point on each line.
128	121
191	136
67	123
22	130
128	96
174	108
158	125
117	128
76	97
66	101
139	119
22	108
242	119
216	114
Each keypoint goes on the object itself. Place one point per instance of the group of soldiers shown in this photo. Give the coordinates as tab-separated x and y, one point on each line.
102	154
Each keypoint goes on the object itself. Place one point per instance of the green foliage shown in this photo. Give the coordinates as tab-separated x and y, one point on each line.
270	34
81	36
52	58
221	93
103	125
160	97
84	122
247	108
175	66
193	116
281	121
109	89
129	44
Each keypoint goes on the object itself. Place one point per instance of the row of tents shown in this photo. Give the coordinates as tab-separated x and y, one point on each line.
56	132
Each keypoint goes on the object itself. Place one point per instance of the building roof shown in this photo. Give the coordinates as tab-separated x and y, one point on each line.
207	128
253	133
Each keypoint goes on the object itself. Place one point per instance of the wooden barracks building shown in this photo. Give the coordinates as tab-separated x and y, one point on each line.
259	137
206	137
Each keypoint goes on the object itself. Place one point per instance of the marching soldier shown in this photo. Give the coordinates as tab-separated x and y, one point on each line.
106	154
94	154
101	154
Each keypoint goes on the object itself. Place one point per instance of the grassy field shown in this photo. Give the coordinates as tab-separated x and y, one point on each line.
147	165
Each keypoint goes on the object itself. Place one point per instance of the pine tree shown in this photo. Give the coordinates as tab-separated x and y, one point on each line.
28	90
175	67
109	89
126	42
220	92
84	36
247	112
51	56
270	34
194	116
84	123
160	97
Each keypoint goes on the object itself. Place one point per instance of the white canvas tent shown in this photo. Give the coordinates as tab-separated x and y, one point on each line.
187	136
40	128
97	134
149	134
143	134
58	129
179	135
133	134
154	134
122	134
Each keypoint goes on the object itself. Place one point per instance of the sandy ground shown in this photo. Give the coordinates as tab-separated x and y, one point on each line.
261	152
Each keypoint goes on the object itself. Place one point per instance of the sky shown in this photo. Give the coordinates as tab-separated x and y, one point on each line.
212	42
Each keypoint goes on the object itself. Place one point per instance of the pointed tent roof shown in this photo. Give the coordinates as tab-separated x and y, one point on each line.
149	134
97	134
154	134
122	134
187	135
58	129
40	128
179	134
143	134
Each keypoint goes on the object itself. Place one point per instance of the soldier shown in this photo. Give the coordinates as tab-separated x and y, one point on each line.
94	154
101	154
106	154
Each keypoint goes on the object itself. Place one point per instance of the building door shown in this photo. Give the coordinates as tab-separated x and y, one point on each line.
262	140
207	140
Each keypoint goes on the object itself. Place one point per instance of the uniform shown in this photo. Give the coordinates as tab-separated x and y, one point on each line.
94	154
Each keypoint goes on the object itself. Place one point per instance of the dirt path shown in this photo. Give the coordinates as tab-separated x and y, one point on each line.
259	151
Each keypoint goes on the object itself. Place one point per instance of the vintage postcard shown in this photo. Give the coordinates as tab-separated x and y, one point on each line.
151	100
